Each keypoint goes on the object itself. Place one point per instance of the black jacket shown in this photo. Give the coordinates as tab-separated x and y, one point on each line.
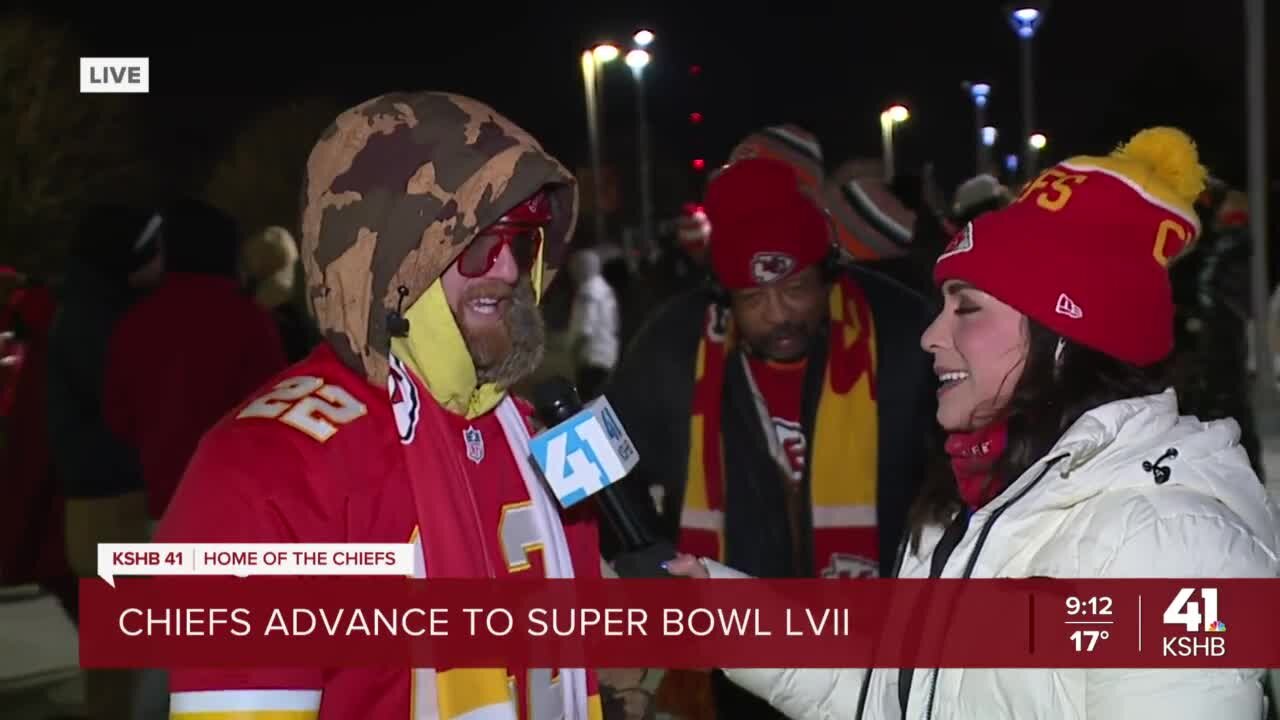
90	462
652	391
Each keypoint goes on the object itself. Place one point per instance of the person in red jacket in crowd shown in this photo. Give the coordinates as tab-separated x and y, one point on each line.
32	545
431	229
12	349
188	352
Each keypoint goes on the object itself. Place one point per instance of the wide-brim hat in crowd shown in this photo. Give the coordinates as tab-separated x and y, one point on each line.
871	221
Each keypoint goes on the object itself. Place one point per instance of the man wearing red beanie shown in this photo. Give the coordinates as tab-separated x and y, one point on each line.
781	416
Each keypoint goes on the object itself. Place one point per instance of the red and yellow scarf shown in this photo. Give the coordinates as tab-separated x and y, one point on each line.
843	457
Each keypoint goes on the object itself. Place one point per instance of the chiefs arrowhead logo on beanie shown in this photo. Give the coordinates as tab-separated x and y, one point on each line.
1085	248
764	227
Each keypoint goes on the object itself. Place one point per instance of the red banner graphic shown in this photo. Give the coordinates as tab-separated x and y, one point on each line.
678	623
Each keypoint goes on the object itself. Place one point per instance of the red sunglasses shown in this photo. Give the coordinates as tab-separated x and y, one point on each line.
483	252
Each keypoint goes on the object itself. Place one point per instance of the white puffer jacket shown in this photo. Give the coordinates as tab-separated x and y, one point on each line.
1088	509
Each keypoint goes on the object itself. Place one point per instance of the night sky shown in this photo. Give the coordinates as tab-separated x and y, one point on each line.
1103	70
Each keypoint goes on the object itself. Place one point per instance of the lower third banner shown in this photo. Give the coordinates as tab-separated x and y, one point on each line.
170	622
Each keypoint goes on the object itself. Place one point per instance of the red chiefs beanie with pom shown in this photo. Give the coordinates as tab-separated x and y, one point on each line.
1085	248
764	227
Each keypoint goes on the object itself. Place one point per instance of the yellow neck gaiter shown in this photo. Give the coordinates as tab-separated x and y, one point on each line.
437	353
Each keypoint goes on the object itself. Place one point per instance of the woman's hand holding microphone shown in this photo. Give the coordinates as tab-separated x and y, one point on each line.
684	565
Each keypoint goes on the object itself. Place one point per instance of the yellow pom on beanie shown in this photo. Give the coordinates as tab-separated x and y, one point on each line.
1085	249
269	259
1171	158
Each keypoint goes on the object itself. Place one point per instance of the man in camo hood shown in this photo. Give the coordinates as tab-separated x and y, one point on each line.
431	226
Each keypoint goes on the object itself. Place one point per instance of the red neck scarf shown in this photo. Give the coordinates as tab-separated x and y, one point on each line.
973	454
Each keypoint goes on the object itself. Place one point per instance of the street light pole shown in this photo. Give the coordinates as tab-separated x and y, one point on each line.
637	60
1028	110
589	67
600	106
1026	20
886	141
889	119
989	135
593	62
979	93
1265	402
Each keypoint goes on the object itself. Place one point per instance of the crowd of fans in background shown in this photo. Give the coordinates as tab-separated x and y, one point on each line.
162	319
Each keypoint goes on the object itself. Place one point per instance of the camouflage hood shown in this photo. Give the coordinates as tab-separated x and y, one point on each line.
394	190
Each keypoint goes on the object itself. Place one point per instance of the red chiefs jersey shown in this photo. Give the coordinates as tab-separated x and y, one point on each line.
317	457
482	438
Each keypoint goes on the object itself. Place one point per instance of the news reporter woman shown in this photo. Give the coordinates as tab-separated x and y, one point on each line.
1068	456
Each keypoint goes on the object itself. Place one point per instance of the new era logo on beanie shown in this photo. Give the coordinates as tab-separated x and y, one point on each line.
962	242
764	227
1095	233
1067	306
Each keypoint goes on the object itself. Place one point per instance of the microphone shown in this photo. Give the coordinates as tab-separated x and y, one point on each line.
583	452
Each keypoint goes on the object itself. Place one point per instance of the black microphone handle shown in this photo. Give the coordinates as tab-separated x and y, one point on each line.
613	505
556	400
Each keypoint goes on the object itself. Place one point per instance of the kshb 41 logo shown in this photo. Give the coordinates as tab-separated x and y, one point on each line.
583	454
1195	616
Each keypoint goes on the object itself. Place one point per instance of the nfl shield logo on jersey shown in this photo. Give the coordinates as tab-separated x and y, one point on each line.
475	444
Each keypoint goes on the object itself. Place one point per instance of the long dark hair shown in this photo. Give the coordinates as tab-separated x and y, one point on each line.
1050	396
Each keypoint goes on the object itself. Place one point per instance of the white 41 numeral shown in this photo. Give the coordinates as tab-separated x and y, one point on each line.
1185	611
582	473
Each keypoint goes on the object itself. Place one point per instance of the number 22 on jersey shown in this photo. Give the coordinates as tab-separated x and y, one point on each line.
308	404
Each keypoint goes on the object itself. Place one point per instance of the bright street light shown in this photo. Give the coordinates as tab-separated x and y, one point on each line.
637	59
1038	141
979	93
989	136
1025	21
889	119
643	38
605	53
